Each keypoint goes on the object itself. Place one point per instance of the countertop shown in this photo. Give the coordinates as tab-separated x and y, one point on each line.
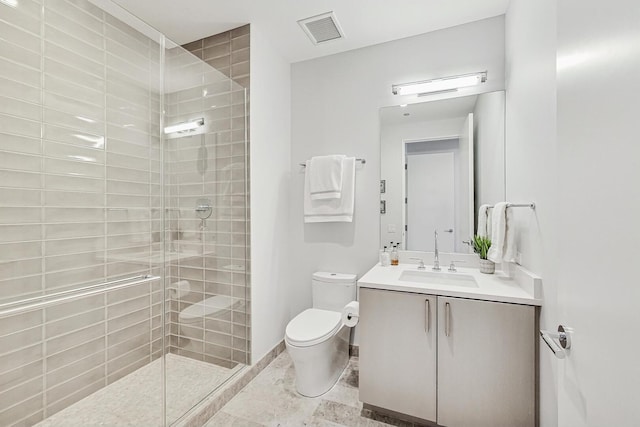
520	287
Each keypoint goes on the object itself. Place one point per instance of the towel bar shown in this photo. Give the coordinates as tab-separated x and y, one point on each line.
363	161
519	205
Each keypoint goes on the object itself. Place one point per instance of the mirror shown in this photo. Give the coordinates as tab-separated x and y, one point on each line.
440	161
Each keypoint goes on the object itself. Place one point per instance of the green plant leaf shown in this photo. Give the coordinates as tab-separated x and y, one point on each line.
481	245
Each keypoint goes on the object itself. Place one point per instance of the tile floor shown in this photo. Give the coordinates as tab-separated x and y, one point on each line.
271	400
136	400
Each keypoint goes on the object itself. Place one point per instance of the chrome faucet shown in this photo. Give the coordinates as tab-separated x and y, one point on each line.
436	257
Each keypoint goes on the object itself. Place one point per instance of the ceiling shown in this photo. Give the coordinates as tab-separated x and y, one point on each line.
365	22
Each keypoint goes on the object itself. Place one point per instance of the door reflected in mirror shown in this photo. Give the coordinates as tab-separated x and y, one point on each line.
440	161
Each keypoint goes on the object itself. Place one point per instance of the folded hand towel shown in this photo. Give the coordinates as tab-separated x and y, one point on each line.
325	176
503	234
484	221
498	225
509	249
332	210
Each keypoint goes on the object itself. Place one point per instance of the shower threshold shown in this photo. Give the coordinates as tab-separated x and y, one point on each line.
136	399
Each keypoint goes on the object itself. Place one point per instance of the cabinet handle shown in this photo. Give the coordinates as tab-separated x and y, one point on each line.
447	318
426	315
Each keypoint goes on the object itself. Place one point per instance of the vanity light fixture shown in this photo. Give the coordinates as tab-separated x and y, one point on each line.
181	127
441	84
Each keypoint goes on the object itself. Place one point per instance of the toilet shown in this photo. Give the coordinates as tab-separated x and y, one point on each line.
317	340
215	307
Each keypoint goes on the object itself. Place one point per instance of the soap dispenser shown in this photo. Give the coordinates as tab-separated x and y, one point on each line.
385	258
394	255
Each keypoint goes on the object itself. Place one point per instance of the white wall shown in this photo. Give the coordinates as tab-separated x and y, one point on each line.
489	143
270	190
598	211
530	39
335	102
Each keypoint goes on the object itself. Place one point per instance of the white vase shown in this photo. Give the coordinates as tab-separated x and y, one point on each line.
487	267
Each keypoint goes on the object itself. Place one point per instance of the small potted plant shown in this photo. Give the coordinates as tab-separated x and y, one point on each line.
481	246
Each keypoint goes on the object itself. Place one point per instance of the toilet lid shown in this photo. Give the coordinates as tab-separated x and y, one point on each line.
312	326
206	307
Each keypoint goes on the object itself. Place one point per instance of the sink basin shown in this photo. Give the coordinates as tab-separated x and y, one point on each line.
438	278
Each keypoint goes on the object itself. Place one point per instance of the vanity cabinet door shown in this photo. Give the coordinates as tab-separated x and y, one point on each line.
398	334
486	363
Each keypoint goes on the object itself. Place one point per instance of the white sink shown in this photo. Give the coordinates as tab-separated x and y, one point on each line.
439	278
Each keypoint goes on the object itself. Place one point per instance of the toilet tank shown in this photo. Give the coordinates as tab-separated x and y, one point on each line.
332	291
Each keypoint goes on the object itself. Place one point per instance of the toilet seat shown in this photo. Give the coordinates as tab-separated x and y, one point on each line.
312	327
207	307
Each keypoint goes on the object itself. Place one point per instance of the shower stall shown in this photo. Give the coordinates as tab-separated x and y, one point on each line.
123	220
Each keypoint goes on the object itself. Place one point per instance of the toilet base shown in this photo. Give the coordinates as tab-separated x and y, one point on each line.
318	367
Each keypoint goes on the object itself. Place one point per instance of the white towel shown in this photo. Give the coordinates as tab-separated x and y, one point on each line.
484	221
509	249
332	210
325	176
503	235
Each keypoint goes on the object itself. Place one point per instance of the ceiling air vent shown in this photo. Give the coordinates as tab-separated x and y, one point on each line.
322	28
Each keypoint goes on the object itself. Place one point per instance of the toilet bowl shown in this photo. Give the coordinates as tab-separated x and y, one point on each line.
317	340
191	319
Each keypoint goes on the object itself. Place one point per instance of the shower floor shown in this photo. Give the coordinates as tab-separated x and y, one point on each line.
136	399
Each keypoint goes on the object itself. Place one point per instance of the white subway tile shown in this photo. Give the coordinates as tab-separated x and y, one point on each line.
19	37
18	269
75	352
65	262
70	27
29	21
72	199
23	250
18	126
75	14
13	89
73	168
73	215
21	410
21	374
67	341
19	73
72	106
75	183
73	323
73	59
20	55
73	152
93	52
70	246
72	74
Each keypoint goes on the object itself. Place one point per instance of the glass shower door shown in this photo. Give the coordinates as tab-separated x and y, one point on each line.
205	161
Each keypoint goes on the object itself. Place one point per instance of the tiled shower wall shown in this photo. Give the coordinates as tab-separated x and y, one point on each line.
210	165
79	201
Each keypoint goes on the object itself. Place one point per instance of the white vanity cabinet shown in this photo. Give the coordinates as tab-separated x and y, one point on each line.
486	363
398	351
473	366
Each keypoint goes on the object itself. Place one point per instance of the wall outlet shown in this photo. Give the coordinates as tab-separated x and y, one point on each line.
391	228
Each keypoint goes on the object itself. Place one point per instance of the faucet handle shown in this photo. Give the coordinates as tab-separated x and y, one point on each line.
452	266
421	266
